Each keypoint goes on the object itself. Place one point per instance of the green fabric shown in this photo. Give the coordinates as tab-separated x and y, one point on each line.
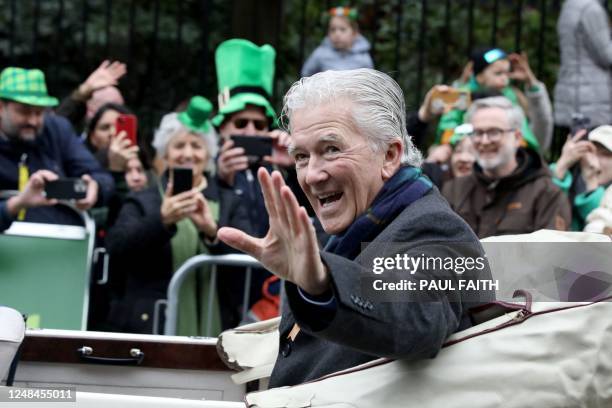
457	137
240	63
583	203
564	184
195	117
587	202
194	293
25	86
239	102
455	117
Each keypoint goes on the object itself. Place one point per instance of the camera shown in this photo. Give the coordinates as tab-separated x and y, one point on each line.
579	121
66	189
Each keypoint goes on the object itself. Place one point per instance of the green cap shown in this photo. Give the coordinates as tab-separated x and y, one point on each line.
25	86
245	76
195	117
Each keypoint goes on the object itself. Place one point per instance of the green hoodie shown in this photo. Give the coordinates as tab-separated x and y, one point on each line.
454	118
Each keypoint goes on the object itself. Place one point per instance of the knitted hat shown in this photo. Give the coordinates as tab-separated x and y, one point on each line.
245	76
25	86
195	117
483	57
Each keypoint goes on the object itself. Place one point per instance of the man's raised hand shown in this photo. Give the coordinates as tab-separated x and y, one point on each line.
289	249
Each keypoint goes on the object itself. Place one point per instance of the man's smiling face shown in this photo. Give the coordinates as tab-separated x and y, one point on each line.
336	166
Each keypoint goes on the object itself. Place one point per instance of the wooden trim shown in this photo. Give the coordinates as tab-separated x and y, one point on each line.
157	354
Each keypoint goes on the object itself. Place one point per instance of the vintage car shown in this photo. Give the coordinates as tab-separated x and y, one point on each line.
529	348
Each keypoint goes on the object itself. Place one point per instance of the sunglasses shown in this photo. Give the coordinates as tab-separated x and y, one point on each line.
258	124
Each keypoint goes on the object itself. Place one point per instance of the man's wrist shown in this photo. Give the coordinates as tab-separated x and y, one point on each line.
83	93
210	232
116	167
561	168
321	286
422	115
532	84
227	178
14	205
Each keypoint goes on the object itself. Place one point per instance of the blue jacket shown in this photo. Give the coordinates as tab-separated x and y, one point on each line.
326	57
59	150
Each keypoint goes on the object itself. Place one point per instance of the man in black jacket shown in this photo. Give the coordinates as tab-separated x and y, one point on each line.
359	170
31	139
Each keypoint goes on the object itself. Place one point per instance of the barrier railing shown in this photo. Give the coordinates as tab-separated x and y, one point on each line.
190	266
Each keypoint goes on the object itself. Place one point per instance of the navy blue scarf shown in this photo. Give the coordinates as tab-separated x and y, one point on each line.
405	187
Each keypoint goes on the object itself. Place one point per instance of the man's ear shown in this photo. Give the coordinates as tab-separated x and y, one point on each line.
392	159
518	137
479	78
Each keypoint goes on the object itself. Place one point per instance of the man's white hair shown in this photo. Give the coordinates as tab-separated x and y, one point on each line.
170	126
376	103
515	114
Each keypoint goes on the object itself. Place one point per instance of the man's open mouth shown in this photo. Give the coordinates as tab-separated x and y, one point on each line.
327	199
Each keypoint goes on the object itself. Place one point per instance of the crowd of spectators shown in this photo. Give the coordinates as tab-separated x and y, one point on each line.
494	130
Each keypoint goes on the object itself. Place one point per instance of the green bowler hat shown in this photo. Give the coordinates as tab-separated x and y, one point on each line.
25	86
195	117
245	76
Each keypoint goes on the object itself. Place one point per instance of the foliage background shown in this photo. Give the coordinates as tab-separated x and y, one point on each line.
169	44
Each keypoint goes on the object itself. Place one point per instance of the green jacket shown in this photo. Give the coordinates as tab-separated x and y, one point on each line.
583	203
450	120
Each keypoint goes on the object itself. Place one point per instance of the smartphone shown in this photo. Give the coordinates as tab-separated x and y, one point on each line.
129	124
452	98
255	147
579	122
66	189
182	180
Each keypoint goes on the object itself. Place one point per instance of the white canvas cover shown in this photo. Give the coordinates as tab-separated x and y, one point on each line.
549	360
557	355
12	330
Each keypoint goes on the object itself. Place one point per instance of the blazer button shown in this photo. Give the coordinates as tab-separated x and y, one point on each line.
286	349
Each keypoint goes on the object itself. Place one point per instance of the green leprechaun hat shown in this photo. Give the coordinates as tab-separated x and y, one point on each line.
25	86
245	76
195	117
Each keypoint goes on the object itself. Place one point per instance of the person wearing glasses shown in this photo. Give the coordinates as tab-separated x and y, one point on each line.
510	190
245	77
495	70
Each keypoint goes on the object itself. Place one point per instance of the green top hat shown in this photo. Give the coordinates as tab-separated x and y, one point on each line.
25	86
195	117
245	76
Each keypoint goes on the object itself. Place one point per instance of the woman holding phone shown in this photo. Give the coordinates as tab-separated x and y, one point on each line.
116	151
112	148
159	228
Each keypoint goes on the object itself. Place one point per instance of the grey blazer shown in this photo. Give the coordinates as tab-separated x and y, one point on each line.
362	327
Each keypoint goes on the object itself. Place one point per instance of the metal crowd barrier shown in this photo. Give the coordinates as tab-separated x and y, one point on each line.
190	266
